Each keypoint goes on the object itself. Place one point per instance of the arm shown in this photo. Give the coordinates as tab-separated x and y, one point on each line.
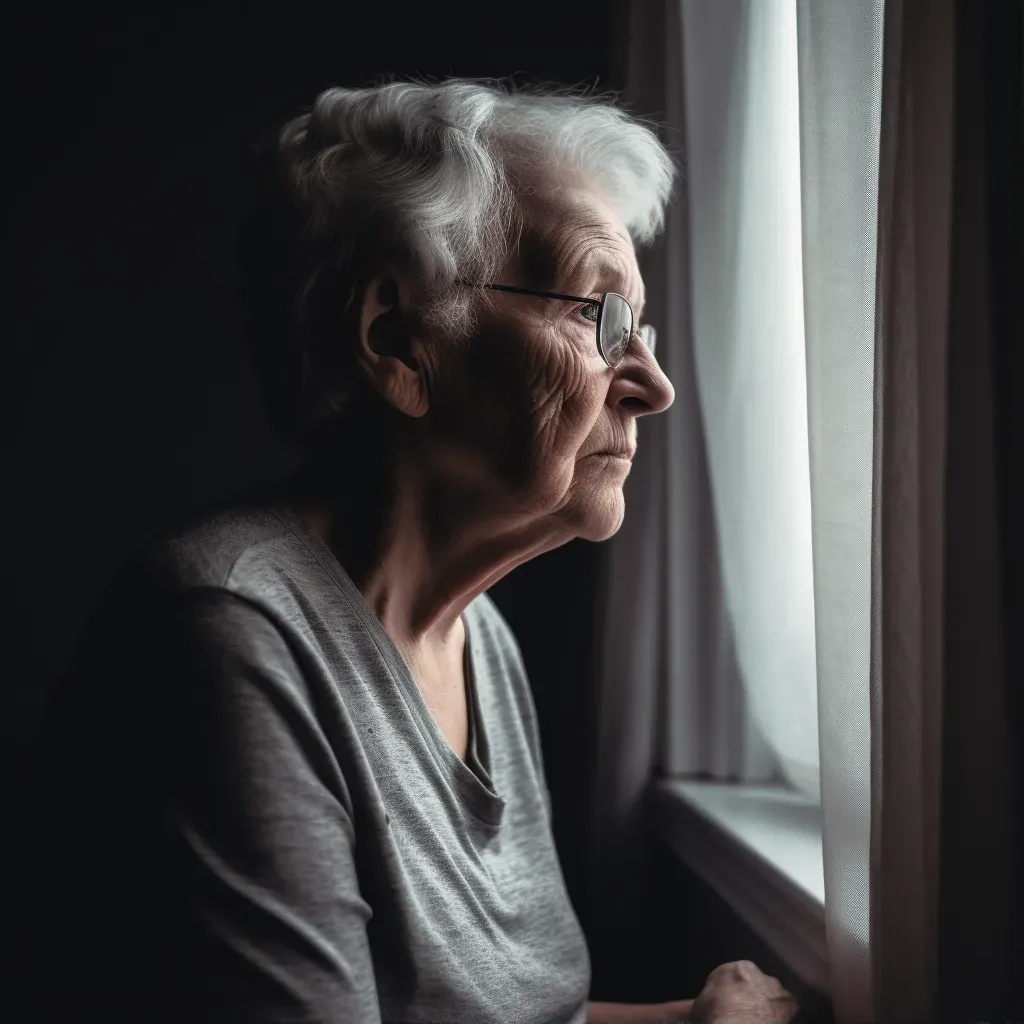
188	847
262	832
676	1012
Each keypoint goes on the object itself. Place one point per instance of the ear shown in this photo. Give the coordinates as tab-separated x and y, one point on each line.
388	353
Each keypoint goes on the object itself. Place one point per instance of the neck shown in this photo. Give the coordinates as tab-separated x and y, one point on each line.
418	550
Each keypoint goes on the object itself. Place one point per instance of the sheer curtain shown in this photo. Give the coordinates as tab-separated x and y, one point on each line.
809	570
668	693
840	65
707	657
743	190
920	789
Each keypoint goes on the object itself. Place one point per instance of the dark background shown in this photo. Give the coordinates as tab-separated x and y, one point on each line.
131	401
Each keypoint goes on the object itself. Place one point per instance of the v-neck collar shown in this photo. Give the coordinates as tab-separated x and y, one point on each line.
470	778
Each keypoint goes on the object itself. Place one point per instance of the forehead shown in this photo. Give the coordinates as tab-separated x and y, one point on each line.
572	233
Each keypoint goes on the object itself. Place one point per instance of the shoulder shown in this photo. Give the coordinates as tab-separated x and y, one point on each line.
217	548
249	549
235	576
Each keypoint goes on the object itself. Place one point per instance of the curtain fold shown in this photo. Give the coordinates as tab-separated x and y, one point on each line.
668	694
981	871
840	66
913	294
744	188
919	789
908	176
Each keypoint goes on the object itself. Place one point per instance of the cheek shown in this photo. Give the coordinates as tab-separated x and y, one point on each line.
564	395
524	405
570	420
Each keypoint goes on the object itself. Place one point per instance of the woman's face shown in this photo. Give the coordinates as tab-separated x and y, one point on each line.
525	413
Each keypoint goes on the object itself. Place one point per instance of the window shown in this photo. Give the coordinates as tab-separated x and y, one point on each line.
750	824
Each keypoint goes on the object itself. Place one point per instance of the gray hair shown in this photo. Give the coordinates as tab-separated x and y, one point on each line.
428	176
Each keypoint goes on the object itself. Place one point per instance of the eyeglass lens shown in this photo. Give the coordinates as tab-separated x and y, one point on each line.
617	328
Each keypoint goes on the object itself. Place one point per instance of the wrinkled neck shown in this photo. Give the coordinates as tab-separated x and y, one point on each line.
413	539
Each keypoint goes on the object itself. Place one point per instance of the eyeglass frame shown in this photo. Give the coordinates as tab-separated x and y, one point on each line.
648	342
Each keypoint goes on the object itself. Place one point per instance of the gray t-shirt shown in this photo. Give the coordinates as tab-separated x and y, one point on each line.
272	826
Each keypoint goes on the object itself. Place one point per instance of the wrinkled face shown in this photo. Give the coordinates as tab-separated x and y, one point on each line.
528	410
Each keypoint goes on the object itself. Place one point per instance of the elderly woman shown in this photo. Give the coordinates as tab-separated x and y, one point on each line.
295	773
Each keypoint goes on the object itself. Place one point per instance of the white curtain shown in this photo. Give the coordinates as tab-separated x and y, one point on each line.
877	100
669	698
747	318
841	110
786	570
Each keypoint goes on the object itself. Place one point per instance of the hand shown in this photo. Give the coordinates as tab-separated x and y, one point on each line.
738	993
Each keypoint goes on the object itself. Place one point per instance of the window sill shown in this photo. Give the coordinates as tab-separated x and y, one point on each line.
759	848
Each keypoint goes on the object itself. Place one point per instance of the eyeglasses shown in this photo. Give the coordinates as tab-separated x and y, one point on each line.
613	317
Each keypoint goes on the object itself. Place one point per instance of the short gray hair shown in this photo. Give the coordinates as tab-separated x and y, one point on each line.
428	176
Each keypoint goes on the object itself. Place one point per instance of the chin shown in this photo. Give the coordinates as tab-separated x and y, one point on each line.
603	519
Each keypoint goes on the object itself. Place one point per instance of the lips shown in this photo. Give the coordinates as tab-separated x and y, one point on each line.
622	453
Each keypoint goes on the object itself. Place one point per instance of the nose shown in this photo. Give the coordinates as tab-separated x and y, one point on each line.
639	385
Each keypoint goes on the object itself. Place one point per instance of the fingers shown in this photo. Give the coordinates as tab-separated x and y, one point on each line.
736	971
740	990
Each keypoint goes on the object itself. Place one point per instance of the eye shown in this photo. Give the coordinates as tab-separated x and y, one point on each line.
591	311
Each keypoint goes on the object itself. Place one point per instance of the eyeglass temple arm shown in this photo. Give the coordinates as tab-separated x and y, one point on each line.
560	295
541	295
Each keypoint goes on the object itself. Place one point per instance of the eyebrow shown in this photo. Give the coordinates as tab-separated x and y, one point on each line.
605	273
538	269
